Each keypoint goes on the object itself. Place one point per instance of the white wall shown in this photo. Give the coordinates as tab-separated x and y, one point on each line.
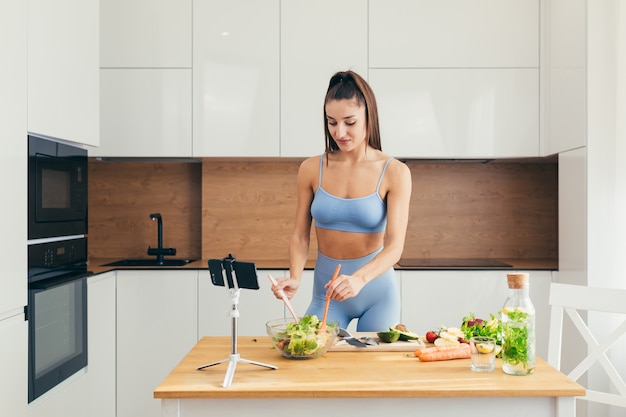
601	140
618	278
606	176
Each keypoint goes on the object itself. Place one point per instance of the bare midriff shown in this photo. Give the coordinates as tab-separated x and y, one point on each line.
347	245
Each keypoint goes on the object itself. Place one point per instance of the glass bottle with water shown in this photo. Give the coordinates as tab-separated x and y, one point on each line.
518	327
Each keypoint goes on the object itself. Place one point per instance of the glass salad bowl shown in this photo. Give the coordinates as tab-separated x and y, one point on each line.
303	340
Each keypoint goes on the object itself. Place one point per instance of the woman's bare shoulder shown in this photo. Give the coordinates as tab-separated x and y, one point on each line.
309	167
312	162
398	169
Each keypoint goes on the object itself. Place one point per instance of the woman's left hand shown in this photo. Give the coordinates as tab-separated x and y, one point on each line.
344	287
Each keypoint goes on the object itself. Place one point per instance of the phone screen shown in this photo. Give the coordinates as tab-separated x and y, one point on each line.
246	275
244	272
215	270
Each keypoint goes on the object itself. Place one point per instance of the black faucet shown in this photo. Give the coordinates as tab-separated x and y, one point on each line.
160	252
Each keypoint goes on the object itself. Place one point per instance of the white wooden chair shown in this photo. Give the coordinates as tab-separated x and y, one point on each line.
574	300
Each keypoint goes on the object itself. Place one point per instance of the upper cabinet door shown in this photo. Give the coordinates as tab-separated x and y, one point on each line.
145	112
145	33
458	113
236	77
13	174
454	33
63	69
564	76
318	38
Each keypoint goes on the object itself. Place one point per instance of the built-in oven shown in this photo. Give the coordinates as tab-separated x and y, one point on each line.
56	312
57	188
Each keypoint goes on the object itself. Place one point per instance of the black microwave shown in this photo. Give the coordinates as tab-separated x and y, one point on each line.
57	188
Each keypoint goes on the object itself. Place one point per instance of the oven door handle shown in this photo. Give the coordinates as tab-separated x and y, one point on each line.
47	284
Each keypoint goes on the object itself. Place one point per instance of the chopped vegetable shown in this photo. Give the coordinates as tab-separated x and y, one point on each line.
444	353
303	338
405	333
441	348
515	338
473	326
389	337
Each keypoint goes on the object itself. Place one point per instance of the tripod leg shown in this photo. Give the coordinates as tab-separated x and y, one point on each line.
258	363
211	364
230	372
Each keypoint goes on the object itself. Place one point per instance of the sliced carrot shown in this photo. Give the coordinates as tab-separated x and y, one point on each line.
461	352
418	352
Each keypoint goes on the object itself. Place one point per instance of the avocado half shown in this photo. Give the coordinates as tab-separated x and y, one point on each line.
405	334
389	337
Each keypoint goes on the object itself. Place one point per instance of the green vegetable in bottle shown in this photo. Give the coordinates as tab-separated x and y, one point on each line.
518	328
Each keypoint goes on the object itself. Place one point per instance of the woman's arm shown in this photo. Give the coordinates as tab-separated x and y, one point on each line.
398	201
300	239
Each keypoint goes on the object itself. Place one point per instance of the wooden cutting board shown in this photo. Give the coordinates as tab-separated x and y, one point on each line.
399	346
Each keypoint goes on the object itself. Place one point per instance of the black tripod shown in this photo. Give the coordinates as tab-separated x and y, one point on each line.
228	267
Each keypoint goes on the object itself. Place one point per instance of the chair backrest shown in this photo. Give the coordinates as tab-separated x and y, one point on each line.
575	300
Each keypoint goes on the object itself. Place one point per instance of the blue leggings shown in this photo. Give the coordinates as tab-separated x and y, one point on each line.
377	306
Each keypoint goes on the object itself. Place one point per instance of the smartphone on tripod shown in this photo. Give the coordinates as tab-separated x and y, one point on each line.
227	270
236	275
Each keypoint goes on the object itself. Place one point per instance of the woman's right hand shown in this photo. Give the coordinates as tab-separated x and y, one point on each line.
289	287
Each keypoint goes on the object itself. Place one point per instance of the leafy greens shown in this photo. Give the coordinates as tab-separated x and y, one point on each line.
303	339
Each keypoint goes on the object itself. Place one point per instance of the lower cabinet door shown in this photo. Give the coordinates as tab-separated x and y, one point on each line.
156	327
101	344
14	365
255	307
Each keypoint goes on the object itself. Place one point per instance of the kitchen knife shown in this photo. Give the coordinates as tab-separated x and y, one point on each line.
345	335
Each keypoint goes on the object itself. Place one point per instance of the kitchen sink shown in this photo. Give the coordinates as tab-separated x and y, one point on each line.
151	262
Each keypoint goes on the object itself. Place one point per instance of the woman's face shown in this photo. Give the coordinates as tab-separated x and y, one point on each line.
346	123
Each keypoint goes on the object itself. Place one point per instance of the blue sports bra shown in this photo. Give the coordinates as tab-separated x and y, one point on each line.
366	214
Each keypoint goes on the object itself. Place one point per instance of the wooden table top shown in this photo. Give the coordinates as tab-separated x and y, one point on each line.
348	374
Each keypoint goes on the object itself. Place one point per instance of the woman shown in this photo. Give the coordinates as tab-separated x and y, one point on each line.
359	199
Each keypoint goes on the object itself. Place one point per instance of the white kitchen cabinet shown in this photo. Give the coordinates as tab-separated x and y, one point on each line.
68	399
453	34
310	53
431	299
256	307
145	112
101	344
563	76
458	113
573	207
14	365
13	160
236	77
145	33
156	327
63	69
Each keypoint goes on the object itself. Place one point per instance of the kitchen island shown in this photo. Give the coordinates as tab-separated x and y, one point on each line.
355	382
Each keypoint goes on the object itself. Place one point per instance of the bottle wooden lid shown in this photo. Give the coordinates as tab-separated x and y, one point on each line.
517	280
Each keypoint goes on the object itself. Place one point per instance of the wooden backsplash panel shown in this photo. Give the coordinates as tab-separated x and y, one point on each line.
248	208
123	194
474	210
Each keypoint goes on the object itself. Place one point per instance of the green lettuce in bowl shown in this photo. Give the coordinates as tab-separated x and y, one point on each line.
302	340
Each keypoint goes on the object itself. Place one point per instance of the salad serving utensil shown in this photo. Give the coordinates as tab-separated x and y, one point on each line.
283	296
335	275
